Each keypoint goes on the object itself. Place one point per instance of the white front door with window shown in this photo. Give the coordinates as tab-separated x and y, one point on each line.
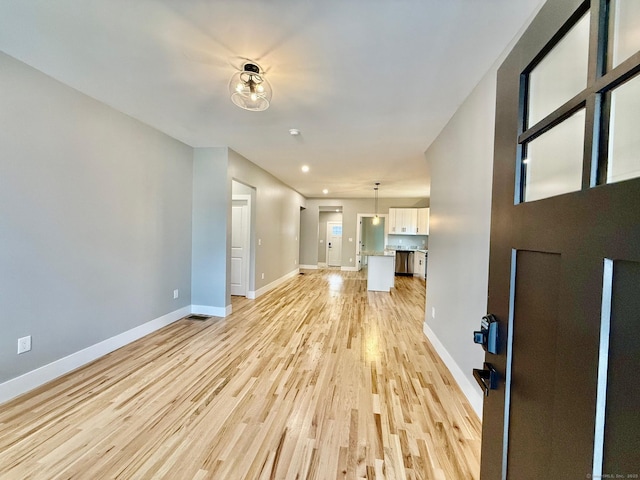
334	244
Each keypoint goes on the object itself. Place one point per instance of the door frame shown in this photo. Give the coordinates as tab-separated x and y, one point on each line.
246	271
359	218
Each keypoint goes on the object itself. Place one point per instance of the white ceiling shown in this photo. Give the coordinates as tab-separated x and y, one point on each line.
370	83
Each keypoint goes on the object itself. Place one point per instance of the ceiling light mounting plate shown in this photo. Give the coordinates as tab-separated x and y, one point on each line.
251	67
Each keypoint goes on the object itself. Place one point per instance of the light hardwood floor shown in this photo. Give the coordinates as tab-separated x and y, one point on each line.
317	379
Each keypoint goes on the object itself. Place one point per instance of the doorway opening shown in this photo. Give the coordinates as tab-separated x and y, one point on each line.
369	236
330	237
242	250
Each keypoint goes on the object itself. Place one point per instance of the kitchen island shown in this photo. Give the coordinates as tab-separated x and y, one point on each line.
381	270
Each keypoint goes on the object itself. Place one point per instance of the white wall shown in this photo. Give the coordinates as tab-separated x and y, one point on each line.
461	163
95	226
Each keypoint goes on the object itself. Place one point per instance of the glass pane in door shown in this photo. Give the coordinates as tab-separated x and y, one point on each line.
561	74
624	136
624	29
553	164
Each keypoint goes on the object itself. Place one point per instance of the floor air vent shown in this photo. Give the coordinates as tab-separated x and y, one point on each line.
198	317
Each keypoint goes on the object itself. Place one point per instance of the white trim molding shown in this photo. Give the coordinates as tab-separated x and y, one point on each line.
35	378
469	389
252	295
349	269
308	267
221	312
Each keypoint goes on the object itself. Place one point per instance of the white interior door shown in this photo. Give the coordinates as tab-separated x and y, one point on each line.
239	247
334	244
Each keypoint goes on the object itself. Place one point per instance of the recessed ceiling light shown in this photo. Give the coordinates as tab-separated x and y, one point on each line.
337	210
305	168
325	191
294	131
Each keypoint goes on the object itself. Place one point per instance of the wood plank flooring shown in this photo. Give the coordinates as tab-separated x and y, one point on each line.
317	379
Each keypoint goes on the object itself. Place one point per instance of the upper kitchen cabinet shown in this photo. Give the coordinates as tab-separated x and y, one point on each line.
403	221
423	221
408	221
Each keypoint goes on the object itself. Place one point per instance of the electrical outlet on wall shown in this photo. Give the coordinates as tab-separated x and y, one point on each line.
24	344
176	293
263	276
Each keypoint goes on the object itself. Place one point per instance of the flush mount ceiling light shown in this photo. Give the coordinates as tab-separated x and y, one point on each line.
376	218
249	89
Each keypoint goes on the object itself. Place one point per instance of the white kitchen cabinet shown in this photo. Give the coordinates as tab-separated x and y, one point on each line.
410	220
380	273
419	264
423	221
392	220
403	221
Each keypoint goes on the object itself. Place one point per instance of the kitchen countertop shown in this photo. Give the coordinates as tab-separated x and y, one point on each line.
383	253
412	248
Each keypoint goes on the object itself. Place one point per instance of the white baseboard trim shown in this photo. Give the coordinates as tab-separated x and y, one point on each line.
469	389
221	312
308	267
349	269
323	265
35	378
261	291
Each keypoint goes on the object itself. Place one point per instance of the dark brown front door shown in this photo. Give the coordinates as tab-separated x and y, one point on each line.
564	276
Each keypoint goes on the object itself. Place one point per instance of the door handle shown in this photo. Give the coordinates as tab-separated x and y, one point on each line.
486	378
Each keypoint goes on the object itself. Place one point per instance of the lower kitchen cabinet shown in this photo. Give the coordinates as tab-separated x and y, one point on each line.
420	264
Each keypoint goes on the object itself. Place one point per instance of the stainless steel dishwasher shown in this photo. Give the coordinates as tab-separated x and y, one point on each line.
404	262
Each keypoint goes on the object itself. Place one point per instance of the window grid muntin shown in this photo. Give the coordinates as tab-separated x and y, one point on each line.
601	80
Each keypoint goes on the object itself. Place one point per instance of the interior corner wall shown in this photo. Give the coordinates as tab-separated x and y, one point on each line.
95	227
309	237
460	217
211	215
277	221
